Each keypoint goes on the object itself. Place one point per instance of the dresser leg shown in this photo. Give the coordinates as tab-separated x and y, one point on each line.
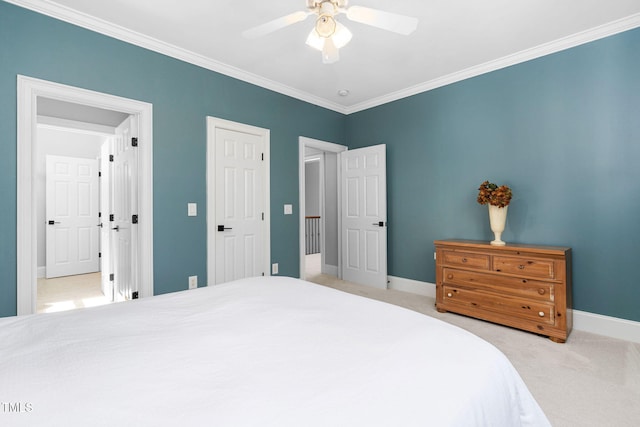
558	340
440	310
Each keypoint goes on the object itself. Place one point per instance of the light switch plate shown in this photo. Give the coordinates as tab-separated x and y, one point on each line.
192	209
288	209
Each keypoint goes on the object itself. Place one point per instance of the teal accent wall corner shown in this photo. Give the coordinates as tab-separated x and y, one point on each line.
183	95
563	131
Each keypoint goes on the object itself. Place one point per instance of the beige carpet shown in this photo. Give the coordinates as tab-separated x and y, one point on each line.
589	381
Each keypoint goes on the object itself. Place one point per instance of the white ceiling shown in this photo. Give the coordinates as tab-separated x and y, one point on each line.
455	39
79	113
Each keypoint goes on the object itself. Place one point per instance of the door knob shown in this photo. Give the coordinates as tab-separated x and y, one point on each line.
117	228
379	224
51	222
222	228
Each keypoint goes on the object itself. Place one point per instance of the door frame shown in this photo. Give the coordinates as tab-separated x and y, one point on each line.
28	90
214	123
304	143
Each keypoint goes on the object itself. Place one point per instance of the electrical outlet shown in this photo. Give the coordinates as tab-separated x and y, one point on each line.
193	282
274	268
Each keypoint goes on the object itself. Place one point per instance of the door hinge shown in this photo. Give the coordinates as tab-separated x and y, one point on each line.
99	214
134	141
99	174
111	157
134	219
263	157
134	295
112	217
263	273
111	277
263	216
99	254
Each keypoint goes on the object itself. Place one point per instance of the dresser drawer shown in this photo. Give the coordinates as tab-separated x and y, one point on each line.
530	267
503	285
516	307
466	259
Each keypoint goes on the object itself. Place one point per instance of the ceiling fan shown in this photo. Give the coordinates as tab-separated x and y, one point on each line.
329	35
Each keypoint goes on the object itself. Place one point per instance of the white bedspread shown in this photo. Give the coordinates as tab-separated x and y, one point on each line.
257	352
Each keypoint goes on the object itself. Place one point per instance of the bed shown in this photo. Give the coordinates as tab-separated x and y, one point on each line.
270	351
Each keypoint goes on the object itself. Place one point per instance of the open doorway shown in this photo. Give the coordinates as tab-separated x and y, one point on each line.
353	192
70	188
320	249
33	96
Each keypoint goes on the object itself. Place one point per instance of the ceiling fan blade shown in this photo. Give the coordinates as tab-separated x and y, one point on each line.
400	24
275	25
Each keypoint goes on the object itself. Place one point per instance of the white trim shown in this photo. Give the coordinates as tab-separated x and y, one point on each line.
303	143
92	23
29	89
214	123
331	270
612	327
412	286
564	43
115	31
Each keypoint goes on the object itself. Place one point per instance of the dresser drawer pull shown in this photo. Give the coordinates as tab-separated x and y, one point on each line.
521	267
464	260
541	313
541	291
449	294
449	276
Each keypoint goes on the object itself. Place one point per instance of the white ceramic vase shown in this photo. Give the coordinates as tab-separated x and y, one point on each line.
497	219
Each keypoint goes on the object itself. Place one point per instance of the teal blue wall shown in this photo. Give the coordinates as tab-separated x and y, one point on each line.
563	131
182	96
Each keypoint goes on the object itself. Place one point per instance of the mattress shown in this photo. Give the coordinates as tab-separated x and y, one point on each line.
272	351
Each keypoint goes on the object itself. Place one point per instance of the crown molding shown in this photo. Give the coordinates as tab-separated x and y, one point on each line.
602	31
92	23
71	16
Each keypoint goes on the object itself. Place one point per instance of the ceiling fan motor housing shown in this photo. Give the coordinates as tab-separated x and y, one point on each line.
318	5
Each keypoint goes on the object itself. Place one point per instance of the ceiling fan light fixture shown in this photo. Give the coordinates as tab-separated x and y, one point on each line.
342	36
315	41
330	53
329	35
326	26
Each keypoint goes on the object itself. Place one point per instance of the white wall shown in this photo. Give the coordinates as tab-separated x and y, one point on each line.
331	209
60	142
312	188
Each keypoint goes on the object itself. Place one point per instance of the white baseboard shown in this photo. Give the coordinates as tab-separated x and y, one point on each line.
613	327
42	272
331	270
413	286
609	326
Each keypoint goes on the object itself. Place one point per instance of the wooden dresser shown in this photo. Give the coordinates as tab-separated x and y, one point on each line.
523	286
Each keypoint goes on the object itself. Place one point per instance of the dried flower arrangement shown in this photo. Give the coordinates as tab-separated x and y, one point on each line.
494	195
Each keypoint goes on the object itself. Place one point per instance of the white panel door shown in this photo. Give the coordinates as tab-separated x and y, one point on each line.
72	215
240	204
105	209
123	206
364	216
